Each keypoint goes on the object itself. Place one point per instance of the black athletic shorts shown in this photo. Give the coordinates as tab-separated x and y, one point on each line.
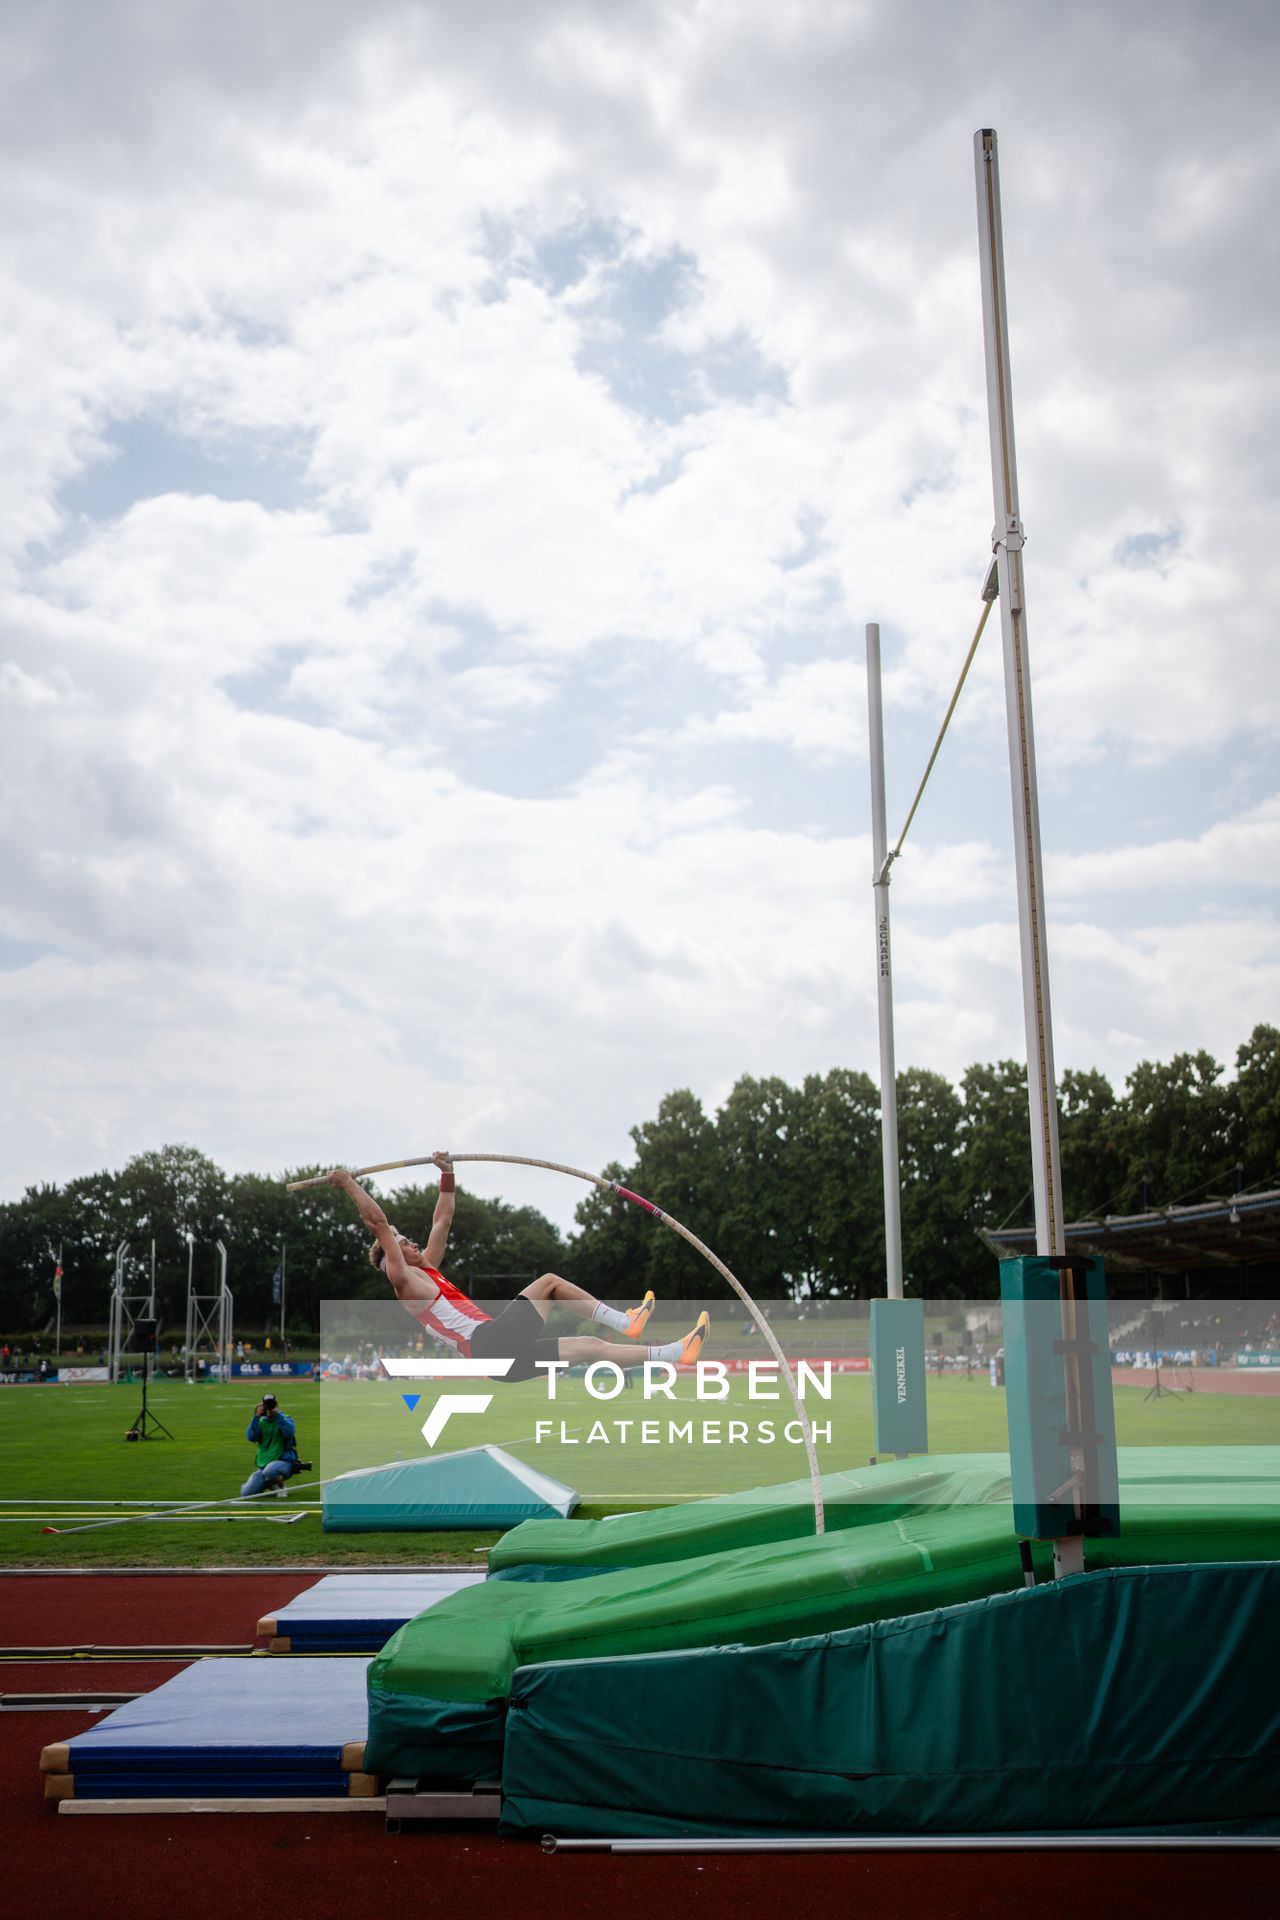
517	1333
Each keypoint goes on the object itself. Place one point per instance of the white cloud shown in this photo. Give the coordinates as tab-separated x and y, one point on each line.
590	379
1241	852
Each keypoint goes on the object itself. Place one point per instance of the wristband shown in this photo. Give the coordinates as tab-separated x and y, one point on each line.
447	1182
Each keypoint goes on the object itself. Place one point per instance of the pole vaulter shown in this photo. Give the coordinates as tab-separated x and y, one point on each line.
667	1220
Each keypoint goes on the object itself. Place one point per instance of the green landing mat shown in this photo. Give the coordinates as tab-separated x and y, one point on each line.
1240	1485
1143	1698
438	1689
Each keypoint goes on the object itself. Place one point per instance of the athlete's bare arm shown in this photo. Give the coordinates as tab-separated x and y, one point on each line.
442	1218
409	1283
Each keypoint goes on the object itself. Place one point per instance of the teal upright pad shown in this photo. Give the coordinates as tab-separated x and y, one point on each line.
898	1376
1041	1438
1143	1697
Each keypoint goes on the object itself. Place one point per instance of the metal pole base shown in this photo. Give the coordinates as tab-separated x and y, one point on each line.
928	1843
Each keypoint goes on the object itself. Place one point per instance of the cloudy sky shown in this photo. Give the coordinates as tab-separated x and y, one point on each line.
450	454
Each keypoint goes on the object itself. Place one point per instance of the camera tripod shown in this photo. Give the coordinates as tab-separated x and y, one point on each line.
148	1426
1157	1392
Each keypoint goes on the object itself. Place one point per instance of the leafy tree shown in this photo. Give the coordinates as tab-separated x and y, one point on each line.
609	1253
941	1255
327	1249
1179	1129
163	1197
759	1196
264	1220
678	1167
1258	1104
995	1144
1088	1133
837	1222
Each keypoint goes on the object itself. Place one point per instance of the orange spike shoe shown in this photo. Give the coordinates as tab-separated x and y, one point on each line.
691	1346
638	1317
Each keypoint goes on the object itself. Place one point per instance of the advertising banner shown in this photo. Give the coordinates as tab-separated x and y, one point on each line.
270	1369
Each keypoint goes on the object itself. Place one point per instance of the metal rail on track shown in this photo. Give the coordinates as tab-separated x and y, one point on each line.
927	1843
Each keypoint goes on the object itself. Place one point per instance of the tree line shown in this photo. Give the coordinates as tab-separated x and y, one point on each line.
784	1182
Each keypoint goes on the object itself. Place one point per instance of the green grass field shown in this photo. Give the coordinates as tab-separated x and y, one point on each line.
64	1450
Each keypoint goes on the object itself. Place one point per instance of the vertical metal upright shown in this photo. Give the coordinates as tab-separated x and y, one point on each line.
898	1383
1007	541
1008	537
115	1328
884	974
211	1317
226	1323
188	1356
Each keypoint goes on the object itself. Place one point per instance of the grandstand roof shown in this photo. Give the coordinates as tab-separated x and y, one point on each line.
1241	1230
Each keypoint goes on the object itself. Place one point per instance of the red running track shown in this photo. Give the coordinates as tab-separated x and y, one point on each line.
1203	1379
345	1867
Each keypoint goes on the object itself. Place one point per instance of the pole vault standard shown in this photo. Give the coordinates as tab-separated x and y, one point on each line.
897	1325
884	974
1038	1366
211	1317
1007	540
667	1220
126	1308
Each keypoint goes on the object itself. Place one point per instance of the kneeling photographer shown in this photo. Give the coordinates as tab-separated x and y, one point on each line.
275	1436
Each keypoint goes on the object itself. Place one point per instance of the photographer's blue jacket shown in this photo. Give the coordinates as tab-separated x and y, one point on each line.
275	1439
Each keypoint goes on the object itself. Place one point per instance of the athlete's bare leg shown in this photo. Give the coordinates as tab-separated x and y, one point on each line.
549	1290
584	1349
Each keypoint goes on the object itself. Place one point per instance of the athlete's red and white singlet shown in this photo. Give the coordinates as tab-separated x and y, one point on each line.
450	1316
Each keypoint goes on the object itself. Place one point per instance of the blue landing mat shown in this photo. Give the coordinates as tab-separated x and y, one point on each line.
244	1727
359	1612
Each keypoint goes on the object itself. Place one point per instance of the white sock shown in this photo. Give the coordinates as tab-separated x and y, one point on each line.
610	1317
671	1351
